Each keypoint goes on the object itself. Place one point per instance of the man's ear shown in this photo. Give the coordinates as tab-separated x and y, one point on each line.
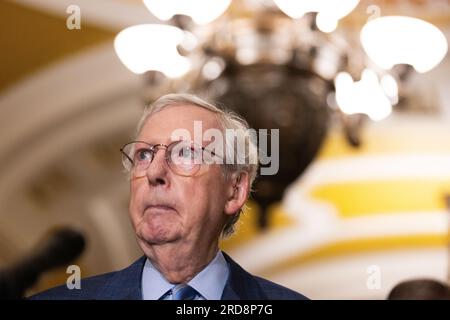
237	192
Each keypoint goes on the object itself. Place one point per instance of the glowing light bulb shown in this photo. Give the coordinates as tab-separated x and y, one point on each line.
201	11
148	47
365	96
328	11
403	40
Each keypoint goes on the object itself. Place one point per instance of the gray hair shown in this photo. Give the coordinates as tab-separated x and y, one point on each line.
247	162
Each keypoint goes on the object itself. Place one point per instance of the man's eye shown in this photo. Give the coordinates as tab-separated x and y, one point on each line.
143	154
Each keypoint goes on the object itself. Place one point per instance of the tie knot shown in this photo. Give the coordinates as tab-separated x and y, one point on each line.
183	292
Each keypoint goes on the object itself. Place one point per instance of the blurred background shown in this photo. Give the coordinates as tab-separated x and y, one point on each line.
360	91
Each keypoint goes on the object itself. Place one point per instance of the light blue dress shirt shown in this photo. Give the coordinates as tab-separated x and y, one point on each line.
210	282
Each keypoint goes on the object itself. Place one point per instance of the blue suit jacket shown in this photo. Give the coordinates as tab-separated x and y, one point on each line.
126	284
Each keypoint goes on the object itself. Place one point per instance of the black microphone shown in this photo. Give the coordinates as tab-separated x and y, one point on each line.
59	248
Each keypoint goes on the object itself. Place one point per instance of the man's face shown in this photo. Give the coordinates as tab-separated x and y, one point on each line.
166	207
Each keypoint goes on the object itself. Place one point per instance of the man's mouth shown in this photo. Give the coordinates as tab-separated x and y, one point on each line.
160	207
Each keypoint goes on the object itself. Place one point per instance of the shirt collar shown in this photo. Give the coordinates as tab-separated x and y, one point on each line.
154	285
210	282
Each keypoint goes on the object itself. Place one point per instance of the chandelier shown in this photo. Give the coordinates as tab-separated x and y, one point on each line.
281	64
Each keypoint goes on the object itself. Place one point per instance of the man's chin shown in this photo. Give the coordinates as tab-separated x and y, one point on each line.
156	237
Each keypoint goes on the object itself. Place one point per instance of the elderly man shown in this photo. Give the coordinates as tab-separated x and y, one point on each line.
185	195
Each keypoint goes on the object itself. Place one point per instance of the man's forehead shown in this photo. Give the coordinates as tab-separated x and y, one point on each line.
161	125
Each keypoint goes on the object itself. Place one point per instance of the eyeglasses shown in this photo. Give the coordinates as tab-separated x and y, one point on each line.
185	158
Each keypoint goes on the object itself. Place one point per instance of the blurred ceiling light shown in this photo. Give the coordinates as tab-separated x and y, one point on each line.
327	62
213	68
328	11
247	56
390	88
201	11
149	47
365	96
403	40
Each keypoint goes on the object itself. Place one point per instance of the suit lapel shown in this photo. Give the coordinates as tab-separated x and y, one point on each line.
241	285
124	284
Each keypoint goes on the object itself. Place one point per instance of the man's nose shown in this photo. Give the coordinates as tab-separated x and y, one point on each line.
157	170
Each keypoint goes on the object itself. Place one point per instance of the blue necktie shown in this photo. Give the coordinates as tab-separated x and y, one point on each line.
183	292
